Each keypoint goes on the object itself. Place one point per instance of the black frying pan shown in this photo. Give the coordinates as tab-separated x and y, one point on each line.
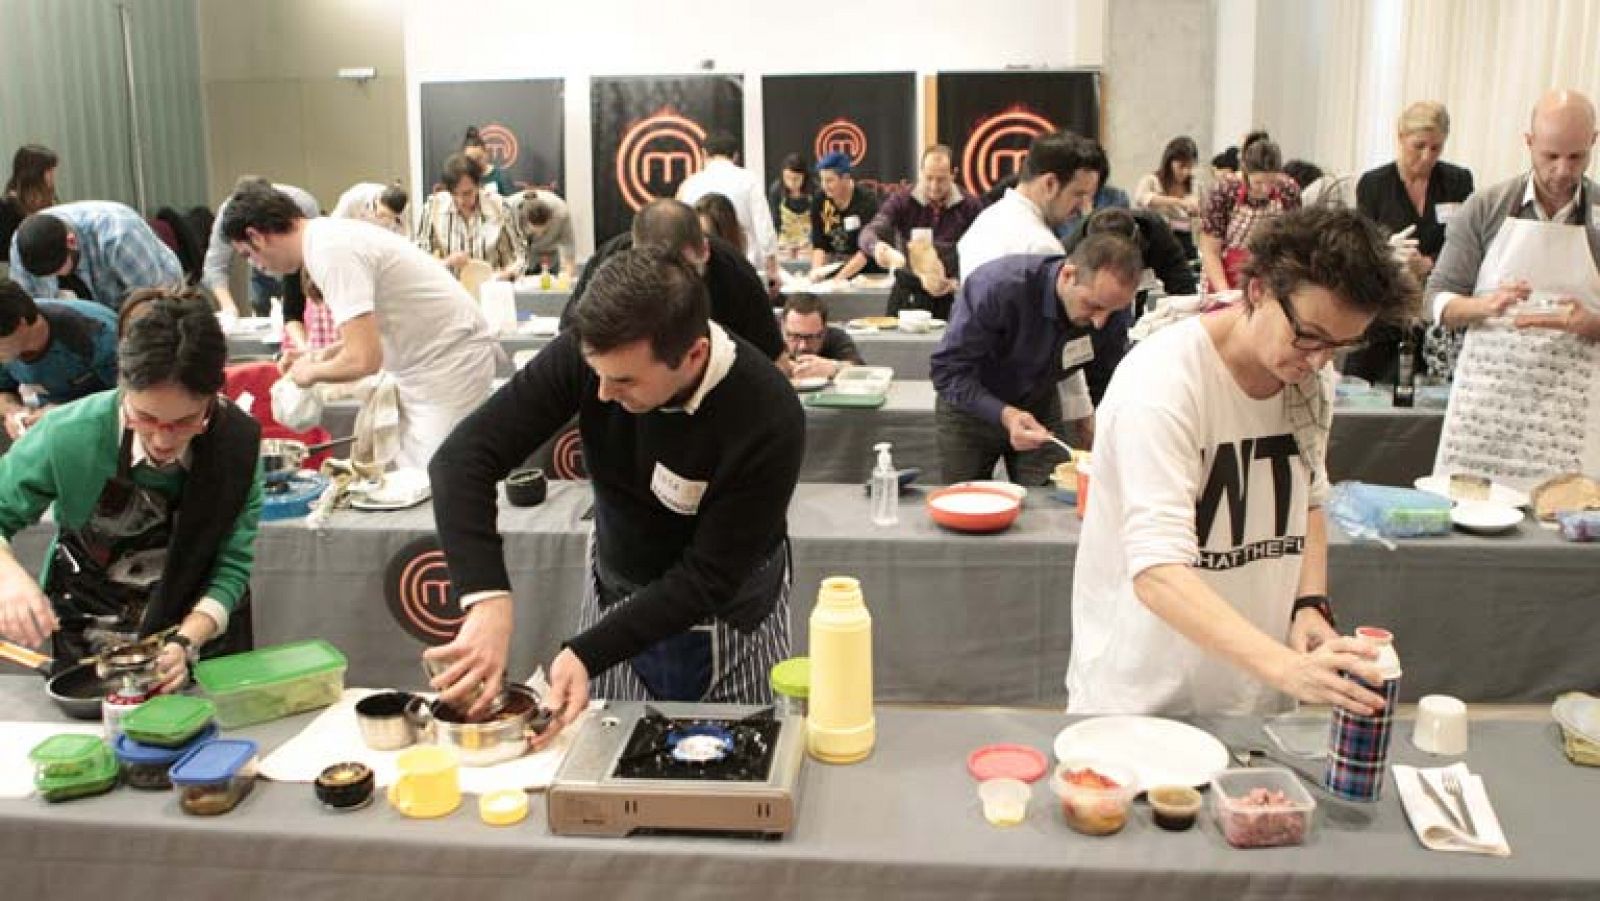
76	689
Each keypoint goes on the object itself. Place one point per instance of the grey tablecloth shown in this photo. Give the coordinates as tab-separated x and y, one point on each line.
855	303
961	618
905	823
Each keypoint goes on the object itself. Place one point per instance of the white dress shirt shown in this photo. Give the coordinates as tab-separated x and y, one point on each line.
749	199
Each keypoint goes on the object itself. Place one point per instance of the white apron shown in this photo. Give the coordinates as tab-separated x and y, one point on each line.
1526	403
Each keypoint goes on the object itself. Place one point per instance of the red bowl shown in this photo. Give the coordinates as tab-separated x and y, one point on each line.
969	508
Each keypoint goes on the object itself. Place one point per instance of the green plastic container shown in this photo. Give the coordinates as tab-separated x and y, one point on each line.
99	778
168	721
69	755
272	683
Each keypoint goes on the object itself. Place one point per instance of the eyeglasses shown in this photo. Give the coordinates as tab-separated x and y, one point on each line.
189	425
806	336
1308	342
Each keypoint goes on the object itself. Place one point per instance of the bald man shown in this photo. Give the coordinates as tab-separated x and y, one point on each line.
1520	271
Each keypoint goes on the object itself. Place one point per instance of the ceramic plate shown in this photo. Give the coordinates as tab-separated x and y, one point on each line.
1498	493
1485	517
1160	751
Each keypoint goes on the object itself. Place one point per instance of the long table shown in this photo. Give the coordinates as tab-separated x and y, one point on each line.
1385	446
843	304
905	823
961	618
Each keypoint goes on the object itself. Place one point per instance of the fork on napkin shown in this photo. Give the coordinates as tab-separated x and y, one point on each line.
1433	828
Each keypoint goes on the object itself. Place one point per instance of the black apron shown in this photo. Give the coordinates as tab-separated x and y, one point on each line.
907	294
104	572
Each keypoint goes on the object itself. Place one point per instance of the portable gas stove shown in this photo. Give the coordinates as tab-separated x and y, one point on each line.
679	768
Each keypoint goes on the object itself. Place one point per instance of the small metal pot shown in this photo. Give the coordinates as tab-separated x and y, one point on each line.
387	720
504	736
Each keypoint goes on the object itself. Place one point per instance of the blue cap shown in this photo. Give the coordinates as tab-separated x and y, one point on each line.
838	161
213	761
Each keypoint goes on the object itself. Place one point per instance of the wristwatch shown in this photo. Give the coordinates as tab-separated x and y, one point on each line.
1317	602
190	652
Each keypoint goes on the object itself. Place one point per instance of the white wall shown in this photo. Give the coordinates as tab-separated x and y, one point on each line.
493	39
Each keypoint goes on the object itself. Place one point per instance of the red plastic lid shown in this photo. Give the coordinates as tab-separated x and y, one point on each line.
1006	762
1373	633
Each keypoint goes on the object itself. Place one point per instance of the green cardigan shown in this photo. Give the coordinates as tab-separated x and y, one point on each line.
66	459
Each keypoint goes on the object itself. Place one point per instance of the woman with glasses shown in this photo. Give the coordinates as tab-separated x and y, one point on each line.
1201	581
133	475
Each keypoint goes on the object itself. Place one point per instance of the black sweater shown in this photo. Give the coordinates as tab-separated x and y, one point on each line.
745	442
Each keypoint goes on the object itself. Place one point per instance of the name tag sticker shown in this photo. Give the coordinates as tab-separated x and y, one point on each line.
676	493
852	223
1077	352
1444	212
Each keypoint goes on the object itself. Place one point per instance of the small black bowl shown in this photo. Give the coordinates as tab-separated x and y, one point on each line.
526	487
345	786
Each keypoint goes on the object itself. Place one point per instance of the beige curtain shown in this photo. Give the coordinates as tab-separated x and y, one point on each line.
1488	61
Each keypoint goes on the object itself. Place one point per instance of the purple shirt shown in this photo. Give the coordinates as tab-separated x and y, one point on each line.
904	211
1005	338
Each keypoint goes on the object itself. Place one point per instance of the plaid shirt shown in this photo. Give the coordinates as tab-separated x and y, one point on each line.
490	234
117	253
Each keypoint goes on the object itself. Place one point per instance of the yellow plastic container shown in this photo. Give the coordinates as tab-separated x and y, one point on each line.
841	727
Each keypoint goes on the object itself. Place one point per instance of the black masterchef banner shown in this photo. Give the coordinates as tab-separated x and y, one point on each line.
520	123
647	136
989	118
870	116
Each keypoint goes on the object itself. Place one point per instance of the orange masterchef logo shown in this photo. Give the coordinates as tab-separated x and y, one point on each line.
842	136
998	147
656	154
501	143
416	586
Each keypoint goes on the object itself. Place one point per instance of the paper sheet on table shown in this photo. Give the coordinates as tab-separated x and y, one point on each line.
334	737
1433	828
16	740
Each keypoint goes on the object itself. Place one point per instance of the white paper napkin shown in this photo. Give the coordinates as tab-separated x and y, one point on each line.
1433	828
334	737
16	740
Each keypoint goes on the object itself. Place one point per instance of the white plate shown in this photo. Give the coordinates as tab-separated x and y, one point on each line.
1010	488
811	383
975	503
1160	751
935	324
1498	493
1485	517
861	330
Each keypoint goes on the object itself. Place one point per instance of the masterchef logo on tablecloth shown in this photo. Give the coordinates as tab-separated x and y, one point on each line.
656	154
566	460
416	586
842	136
501	143
999	146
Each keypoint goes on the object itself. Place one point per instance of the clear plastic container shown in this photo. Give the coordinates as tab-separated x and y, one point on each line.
215	776
70	755
168	721
791	686
1262	808
272	683
99	778
1089	805
145	766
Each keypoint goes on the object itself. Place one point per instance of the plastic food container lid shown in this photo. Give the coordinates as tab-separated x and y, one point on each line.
1004	761
67	749
268	666
168	719
98	772
504	807
792	677
213	761
135	752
